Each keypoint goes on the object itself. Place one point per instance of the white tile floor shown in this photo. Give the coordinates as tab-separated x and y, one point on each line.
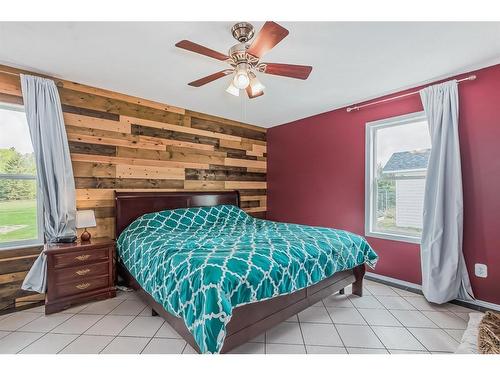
384	320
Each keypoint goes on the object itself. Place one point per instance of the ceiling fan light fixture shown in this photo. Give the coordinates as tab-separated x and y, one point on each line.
256	86
245	57
233	90
241	79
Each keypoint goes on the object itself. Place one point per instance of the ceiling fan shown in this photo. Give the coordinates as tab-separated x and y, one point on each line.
244	59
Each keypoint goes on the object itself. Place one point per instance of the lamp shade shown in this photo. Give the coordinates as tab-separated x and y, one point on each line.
256	87
85	219
233	90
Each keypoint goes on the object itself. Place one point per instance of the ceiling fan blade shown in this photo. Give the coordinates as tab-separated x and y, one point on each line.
210	78
256	95
288	70
193	47
270	35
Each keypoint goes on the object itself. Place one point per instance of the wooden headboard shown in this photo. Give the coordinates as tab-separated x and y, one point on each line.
129	206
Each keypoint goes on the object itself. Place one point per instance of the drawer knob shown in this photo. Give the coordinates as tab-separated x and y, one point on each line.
83	272
83	257
83	286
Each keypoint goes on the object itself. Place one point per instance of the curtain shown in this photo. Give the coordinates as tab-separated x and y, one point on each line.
54	171
444	273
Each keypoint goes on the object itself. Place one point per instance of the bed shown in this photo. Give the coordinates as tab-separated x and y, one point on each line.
220	277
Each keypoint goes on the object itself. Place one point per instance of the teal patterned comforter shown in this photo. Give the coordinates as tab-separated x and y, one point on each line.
201	263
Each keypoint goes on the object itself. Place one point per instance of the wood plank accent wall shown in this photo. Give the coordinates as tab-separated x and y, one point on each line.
123	143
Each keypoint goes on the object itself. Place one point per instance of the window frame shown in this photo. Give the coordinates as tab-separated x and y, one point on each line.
39	241
370	180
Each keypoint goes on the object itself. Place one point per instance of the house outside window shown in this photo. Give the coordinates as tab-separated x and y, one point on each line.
397	155
20	203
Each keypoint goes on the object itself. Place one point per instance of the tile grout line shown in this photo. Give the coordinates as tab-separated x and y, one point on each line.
46	333
375	333
8	315
404	326
115	336
301	333
454	313
134	317
338	346
25	324
184	348
284	343
152	337
24	347
444	329
334	326
265	340
43	333
438	326
128	324
16	330
323	346
103	316
81	313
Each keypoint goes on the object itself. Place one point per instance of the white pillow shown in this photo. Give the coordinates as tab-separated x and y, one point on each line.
468	344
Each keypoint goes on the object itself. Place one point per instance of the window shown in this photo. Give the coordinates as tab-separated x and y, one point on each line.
20	207
397	154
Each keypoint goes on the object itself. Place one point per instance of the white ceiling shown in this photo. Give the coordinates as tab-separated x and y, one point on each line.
351	61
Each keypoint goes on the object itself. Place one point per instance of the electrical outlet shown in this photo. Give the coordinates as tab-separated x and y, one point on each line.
481	270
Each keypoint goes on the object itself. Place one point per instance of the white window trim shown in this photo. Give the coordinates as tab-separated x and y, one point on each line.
371	131
39	241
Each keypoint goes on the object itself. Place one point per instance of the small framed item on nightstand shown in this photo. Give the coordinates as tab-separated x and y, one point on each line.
79	272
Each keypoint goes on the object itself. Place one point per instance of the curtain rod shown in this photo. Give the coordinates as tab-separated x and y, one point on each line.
18	74
348	109
358	107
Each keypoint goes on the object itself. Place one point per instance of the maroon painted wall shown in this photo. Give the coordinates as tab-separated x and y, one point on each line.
316	176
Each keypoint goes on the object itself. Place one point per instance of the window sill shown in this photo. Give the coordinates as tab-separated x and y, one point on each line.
394	237
27	245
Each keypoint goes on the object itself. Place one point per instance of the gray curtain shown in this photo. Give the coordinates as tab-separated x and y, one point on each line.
54	171
444	274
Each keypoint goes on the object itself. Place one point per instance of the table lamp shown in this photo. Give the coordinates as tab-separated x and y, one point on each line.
85	219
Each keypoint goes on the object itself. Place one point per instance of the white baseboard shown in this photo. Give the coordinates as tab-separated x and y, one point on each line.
402	283
406	284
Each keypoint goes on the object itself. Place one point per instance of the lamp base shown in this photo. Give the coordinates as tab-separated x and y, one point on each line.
85	236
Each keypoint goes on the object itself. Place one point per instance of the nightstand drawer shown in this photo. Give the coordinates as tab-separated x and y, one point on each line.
79	258
81	286
92	270
79	272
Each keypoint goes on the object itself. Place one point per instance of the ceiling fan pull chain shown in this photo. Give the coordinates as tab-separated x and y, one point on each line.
243	108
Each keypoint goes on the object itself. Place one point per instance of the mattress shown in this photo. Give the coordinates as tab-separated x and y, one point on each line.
202	263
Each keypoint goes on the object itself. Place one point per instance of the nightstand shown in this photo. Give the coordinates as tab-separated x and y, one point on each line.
79	272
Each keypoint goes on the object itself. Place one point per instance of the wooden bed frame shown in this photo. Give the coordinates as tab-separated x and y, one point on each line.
248	321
